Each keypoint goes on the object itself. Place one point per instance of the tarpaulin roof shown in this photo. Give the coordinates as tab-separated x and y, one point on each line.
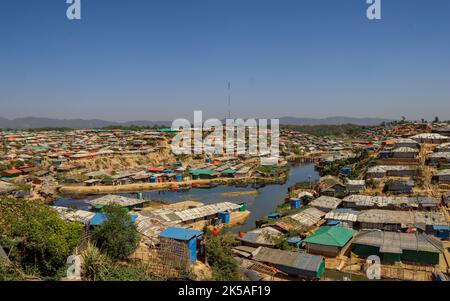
180	233
331	236
100	218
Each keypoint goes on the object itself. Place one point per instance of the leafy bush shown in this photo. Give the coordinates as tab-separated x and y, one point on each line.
95	264
220	257
134	272
37	239
117	236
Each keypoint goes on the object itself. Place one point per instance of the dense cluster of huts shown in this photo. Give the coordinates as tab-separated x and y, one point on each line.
397	225
154	225
49	158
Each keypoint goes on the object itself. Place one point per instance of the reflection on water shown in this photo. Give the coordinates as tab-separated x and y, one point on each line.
260	204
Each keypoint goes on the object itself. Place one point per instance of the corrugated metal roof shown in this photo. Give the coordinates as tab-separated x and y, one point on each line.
203	211
262	236
116	199
384	201
301	261
407	218
326	202
71	215
309	216
342	215
394	242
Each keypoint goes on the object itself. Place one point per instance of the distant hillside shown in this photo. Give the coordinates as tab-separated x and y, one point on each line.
337	120
36	123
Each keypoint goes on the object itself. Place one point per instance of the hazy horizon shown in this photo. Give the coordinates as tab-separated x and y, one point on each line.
161	60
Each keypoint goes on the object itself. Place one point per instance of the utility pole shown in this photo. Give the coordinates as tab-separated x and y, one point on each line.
229	100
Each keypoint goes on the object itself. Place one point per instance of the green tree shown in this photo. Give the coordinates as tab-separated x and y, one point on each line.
117	236
36	238
220	257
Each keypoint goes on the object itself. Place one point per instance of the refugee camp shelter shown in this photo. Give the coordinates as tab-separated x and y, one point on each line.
431	138
442	176
405	153
356	186
203	174
399	187
118	200
436	159
443	148
328	240
292	263
395	220
261	237
361	202
394	246
71	215
308	217
228	173
405	142
10	173
342	217
189	236
326	203
381	171
6	187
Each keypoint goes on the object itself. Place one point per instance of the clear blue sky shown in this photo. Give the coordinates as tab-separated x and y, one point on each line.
162	59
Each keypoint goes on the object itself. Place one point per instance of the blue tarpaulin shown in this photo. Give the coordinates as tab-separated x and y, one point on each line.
441	228
187	235
274	215
294	240
333	223
180	233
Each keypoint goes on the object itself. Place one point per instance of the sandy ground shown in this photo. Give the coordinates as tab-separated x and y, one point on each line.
240	193
201	271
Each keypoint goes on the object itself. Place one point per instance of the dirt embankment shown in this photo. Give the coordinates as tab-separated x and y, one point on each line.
107	189
118	163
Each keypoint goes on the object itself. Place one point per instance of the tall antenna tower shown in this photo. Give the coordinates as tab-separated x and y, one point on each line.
229	100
